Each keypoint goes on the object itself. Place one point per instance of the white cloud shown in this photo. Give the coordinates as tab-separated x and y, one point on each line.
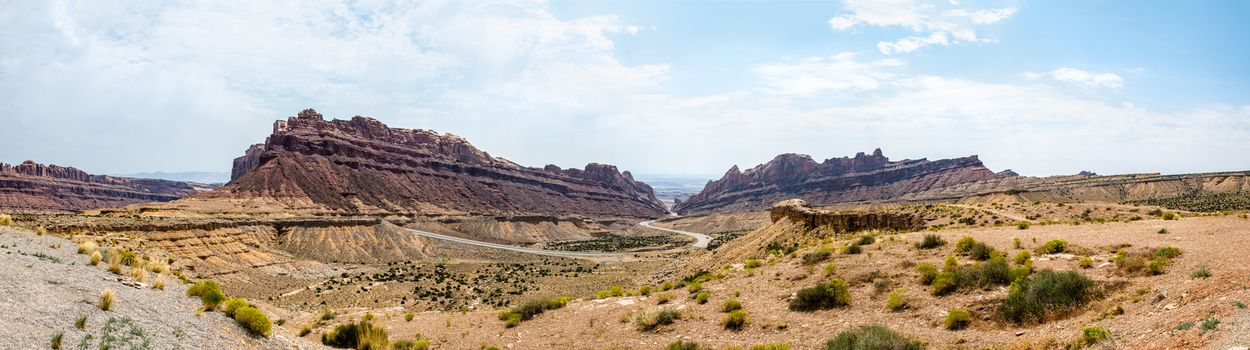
817	75
935	26
1080	77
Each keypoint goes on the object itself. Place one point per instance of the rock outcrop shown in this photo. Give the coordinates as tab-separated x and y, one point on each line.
798	211
363	166
837	180
33	187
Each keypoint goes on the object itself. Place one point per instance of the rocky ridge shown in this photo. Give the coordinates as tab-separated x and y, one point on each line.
836	180
34	187
363	166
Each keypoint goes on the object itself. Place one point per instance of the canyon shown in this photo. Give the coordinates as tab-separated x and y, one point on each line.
49	188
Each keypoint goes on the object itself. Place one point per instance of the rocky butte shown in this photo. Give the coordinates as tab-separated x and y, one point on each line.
34	187
361	166
837	180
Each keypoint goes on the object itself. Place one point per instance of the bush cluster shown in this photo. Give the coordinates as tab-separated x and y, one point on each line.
817	256
1032	299
995	271
529	309
874	337
1055	246
209	292
735	320
361	335
931	241
957	319
650	320
823	295
896	301
254	320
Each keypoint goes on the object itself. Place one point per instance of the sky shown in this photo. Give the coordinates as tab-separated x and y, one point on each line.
675	87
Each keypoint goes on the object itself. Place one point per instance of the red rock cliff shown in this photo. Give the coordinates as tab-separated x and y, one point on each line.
836	180
33	187
361	165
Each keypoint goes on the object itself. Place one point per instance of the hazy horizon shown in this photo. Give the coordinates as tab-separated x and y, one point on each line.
1042	88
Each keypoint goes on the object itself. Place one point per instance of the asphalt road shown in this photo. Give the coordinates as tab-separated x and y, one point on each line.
701	241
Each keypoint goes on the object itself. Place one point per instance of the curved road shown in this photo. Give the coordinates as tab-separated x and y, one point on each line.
701	241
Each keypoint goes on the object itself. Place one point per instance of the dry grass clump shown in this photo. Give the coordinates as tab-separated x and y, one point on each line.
138	274
87	247
115	262
6	220
731	305
95	258
106	299
159	283
41	231
158	267
361	335
651	320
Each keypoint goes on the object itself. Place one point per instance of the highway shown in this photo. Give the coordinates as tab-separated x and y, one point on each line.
701	242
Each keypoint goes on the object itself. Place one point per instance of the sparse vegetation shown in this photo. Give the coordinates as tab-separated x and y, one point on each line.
56	340
686	345
1094	334
1055	247
255	321
614	291
1023	225
1202	272
96	257
731	305
87	247
753	263
650	320
81	322
159	283
896	301
1047	293
106	299
1163	231
957	319
1169	216
736	320
1086	262
817	256
853	248
931	241
927	272
875	337
529	309
209	292
361	335
701	297
822	296
1210	324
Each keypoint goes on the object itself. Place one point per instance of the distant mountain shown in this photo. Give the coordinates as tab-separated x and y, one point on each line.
835	180
34	187
204	177
671	187
363	166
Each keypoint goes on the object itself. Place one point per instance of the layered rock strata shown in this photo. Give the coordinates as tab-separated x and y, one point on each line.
363	166
34	187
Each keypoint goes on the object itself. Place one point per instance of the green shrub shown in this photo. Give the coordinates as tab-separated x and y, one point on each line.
854	248
957	319
866	240
1031	299
254	320
1202	272
875	337
1087	262
1157	266
1023	257
1095	334
753	263
403	345
529	309
951	264
817	256
930	242
1238	304
233	304
822	296
944	284
735	320
896	301
81	323
1168	252
964	245
615	291
129	258
1016	244
644	290
685	345
1210	324
701	297
731	305
650	320
927	273
209	292
981	251
408	316
357	335
1169	216
1163	231
421	344
1023	225
776	346
1055	247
